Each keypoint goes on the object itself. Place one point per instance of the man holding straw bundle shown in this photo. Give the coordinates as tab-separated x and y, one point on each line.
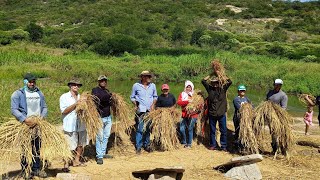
103	106
74	130
279	97
144	97
25	103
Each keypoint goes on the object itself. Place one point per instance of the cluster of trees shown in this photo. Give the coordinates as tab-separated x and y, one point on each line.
114	27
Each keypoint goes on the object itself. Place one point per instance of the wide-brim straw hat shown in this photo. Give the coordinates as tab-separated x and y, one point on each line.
74	81
145	73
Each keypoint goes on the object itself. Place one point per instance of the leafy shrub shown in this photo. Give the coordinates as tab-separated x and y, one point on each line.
19	34
5	38
196	35
310	58
35	31
247	50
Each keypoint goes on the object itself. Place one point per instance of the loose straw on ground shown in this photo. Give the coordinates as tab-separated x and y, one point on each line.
87	112
164	127
16	137
279	122
219	71
123	115
246	135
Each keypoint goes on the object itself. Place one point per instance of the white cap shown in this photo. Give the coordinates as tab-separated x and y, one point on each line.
278	81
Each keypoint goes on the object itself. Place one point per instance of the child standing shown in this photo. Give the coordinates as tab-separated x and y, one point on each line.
308	118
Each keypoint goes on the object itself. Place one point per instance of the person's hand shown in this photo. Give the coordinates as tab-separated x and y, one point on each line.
206	78
152	108
30	122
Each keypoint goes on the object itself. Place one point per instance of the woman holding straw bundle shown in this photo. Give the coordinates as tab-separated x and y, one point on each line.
217	87
103	106
188	119
74	129
25	103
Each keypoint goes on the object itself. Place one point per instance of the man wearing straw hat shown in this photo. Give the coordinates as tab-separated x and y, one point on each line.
74	130
144	97
26	102
103	107
217	106
279	97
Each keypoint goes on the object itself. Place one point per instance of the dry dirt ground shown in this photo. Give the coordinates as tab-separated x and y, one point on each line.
198	161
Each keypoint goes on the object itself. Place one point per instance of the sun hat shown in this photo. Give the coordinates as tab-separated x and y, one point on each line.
241	87
278	81
29	77
165	86
74	81
145	73
102	77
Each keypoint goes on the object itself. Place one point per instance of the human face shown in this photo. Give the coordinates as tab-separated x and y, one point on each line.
74	87
165	91
241	93
188	89
31	84
146	78
277	87
215	84
103	83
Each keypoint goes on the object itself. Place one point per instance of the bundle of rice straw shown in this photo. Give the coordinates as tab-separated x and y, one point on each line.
164	127
219	71
16	137
303	99
279	121
246	135
123	113
197	103
88	114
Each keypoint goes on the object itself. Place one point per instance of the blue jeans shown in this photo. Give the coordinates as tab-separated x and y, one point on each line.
36	144
142	135
103	136
223	130
187	123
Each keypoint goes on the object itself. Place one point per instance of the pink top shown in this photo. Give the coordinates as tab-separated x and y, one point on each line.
308	117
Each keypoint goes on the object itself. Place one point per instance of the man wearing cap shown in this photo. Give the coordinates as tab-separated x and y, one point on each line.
74	130
26	102
144	97
238	102
166	99
103	106
217	106
279	97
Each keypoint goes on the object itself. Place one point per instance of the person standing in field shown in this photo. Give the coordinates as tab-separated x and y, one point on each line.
237	103
104	103
279	97
25	103
74	129
166	99
187	120
217	108
144	97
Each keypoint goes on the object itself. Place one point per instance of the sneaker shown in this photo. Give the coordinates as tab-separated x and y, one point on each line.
224	149
107	156
187	146
138	151
99	161
148	149
40	174
212	148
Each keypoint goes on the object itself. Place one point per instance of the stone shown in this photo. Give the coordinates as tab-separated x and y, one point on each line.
244	172
163	176
238	161
69	176
165	173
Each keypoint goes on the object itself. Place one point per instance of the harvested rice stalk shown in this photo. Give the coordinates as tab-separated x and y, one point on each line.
15	141
122	113
197	103
164	124
88	114
219	71
279	122
303	98
246	135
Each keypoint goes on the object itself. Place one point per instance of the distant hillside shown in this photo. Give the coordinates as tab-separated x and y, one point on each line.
275	28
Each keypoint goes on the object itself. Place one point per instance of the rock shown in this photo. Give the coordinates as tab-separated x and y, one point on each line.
238	161
69	176
163	176
244	172
165	173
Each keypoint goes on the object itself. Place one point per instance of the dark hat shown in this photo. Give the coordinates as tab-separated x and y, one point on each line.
29	77
74	81
102	77
145	73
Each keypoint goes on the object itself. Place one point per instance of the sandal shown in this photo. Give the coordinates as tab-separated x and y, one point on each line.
79	165
66	170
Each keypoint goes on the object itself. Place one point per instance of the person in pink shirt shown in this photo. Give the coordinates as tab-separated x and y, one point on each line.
308	119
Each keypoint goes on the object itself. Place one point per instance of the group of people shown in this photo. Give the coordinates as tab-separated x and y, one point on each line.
29	101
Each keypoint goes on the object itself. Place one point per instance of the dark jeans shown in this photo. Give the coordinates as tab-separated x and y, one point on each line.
142	135
187	124
236	123
223	130
36	144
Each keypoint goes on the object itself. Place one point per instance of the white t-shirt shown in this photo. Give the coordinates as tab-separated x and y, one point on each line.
33	104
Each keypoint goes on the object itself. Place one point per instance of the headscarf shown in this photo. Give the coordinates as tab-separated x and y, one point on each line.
185	95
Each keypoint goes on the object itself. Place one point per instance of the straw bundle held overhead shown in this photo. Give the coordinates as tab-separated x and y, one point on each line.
87	112
123	114
16	137
164	124
246	135
219	71
303	99
279	121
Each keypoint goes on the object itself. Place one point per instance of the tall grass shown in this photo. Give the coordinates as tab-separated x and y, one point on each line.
56	69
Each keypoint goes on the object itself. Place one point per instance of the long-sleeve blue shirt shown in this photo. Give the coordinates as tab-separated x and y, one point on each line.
144	96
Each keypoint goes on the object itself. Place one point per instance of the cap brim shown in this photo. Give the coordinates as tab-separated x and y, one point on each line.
74	83
241	89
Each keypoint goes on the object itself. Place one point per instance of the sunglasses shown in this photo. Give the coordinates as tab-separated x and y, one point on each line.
78	85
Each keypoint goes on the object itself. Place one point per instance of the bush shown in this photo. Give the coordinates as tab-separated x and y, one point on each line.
35	31
310	58
19	34
276	35
248	50
196	35
5	38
